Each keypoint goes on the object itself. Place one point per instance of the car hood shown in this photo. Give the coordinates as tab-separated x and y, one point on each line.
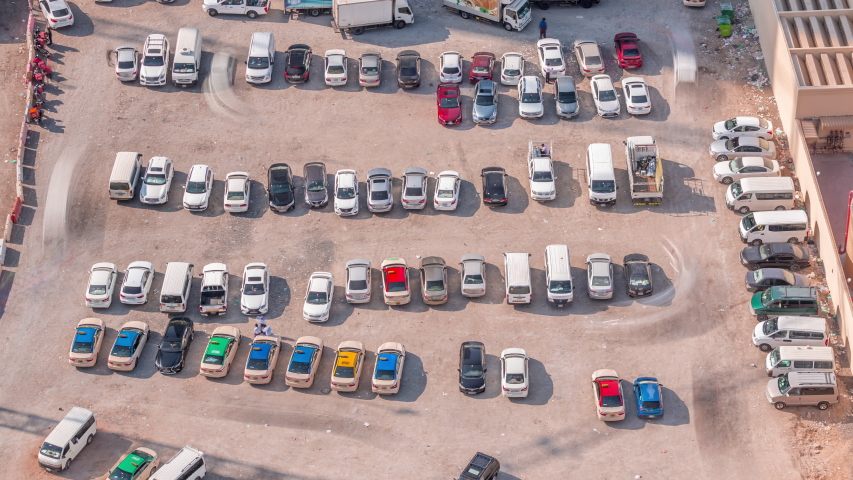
750	278
167	359
609	106
318	196
545	187
148	71
153	191
722	168
471	383
720	127
567	107
751	254
719	146
485	111
346	203
530	107
408	78
312	309
282	198
253	301
195	198
449	113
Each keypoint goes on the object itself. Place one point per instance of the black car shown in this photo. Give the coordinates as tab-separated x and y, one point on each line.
280	188
494	186
173	348
316	190
409	69
782	255
297	63
638	275
764	278
472	368
481	467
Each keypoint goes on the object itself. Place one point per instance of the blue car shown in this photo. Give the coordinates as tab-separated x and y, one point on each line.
647	390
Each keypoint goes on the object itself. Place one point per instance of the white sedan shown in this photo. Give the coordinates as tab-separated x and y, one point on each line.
318	297
450	67
127	66
743	127
237	190
736	147
102	282
255	291
512	68
637	97
604	95
746	167
447	190
530	97
336	68
57	13
136	283
515	381
346	193
551	63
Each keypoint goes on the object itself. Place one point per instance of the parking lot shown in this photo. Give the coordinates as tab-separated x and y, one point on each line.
692	334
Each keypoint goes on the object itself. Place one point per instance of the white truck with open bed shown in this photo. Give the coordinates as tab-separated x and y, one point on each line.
645	170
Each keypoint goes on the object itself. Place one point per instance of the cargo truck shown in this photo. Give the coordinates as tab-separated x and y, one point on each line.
645	170
315	8
355	16
512	14
214	289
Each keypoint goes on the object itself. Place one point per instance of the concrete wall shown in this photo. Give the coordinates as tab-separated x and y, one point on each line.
819	101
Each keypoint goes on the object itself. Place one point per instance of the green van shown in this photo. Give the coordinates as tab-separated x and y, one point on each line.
781	300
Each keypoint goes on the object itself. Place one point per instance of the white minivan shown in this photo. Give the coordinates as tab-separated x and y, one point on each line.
261	58
790	226
188	464
600	177
125	175
187	57
790	330
67	439
787	359
517	271
175	292
558	275
761	194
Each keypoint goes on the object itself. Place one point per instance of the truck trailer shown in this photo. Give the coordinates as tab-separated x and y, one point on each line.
357	15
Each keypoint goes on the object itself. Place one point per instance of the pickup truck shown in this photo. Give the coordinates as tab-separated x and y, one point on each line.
645	170
250	8
214	289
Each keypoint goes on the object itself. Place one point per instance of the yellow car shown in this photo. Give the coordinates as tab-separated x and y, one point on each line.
262	359
220	351
304	362
128	346
139	464
87	343
348	362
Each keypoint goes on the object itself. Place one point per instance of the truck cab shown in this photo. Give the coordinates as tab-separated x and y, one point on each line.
214	289
481	467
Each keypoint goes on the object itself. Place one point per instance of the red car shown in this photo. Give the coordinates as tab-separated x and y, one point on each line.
482	66
628	50
449	104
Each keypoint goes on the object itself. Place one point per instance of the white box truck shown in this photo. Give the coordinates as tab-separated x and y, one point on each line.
512	14
355	16
645	170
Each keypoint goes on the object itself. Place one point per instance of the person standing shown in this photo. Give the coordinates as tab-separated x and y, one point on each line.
543	29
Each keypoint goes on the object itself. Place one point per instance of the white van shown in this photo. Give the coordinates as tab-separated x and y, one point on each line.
517	271
188	464
125	175
261	58
790	226
600	178
175	293
799	359
787	330
67	439
187	57
558	275
761	194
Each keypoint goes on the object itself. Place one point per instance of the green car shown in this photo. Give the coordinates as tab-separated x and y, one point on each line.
139	464
783	300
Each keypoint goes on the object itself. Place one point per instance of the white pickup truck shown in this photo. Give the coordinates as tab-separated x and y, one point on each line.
250	8
214	289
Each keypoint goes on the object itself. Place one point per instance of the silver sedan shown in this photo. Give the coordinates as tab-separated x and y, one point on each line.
485	103
599	271
472	270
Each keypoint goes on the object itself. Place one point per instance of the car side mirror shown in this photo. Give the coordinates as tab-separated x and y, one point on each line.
485	370
246	62
458	370
74	441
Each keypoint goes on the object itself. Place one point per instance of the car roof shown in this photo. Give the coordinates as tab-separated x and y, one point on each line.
588	47
386	361
529	81
472	353
609	387
85	334
514	363
755	162
395	274
604	80
448	89
649	391
158	162
358	271
127	339
197	173
747	121
131	462
751	141
260	351
302	353
346	359
473	257
100	275
565	84
415	171
235	184
542	163
346	178
318	283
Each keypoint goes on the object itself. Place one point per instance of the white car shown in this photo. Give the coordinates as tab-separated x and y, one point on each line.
370	69
450	67
358	281
447	190
540	170
599	271
336	68
743	127
637	98
736	147
255	291
551	63
318	297
472	272
515	381
156	181
604	95
414	188
346	193
127	63
102	282
237	189
746	167
530	97
589	58
57	13
155	61
136	283
512	68
198	187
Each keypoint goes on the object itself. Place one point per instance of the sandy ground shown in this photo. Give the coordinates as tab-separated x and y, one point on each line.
13	62
693	333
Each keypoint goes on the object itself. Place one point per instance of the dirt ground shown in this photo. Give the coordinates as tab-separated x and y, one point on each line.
693	334
13	62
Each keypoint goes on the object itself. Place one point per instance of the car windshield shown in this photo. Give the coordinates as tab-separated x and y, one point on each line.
600	281
152	61
736	189
651	405
279	188
774	356
133	290
357	285
639	280
316	298
125	65
393	287
524	10
369	70
530	97
213	359
766	297
784	384
735	164
748	222
344	372
123	351
542	176
553	62
485	100
631	52
299	367
472	370
771	325
82	347
434	285
607	95
257	364
593	60
473	279
603	186
445	194
639	99
611	401
519	289
259	62
731	144
379	195
730	124
449	102
60	12
119	474
414	192
196	187
514	378
235	196
155	179
512	72
451	70
335	70
385	374
50	450
346	193
315	186
560	286
183	68
97	289
253	289
567	97
480	69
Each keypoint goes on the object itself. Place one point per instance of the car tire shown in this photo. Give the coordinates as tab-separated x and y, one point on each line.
399	25
722	158
756	243
822	406
508	27
723	138
761	317
793	241
252	14
753	267
89	439
794	268
67	465
727	181
544	5
314	12
357	30
765	348
744	210
779	405
586	3
464	15
212	13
